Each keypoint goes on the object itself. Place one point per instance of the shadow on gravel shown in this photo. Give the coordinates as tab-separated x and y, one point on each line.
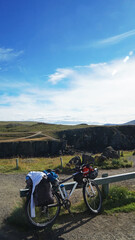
63	226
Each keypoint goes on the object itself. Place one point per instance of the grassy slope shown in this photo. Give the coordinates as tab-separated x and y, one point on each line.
32	164
11	130
40	164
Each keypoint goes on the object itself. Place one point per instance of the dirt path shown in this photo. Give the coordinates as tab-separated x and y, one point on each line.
77	227
39	135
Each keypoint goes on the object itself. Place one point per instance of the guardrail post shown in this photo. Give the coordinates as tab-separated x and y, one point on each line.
17	163
105	187
61	162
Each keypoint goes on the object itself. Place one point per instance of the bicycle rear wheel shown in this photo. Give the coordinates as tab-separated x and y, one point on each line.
92	196
44	215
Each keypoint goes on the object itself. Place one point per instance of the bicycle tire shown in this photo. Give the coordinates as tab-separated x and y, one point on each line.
92	196
44	216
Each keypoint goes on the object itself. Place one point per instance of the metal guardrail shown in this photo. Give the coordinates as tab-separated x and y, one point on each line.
105	180
115	178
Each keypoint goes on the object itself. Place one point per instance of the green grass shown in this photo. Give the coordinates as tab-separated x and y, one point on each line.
122	162
116	163
127	154
18	218
120	199
9	130
40	164
32	164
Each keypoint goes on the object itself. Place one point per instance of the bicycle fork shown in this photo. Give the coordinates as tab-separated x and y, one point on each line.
91	192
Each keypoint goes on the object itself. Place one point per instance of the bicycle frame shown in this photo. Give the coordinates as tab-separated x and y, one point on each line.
64	193
62	188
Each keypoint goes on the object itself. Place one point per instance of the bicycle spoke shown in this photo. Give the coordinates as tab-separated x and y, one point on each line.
44	216
92	196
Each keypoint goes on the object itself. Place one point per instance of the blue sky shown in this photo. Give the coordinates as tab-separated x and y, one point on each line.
67	61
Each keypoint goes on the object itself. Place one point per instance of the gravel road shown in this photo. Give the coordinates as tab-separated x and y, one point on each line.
80	226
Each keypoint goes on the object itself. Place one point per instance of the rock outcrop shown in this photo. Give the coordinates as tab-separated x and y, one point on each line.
96	139
109	152
90	139
87	158
31	148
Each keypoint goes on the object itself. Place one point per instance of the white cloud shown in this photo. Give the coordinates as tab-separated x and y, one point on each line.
10	83
59	75
108	41
101	92
8	54
115	39
130	53
126	59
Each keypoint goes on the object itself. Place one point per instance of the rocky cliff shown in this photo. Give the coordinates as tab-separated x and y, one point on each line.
95	139
31	148
90	139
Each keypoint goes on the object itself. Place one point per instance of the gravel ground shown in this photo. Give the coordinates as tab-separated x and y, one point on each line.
80	226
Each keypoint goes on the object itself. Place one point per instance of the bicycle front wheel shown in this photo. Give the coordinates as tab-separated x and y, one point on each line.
44	215
92	196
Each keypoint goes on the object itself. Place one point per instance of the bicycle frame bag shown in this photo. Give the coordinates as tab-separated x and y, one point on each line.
78	177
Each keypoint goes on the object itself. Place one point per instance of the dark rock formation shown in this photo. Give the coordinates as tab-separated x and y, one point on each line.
109	152
31	148
75	160
101	159
90	139
87	158
96	139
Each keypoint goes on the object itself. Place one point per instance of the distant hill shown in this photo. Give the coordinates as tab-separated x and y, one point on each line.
33	139
113	124
130	123
15	130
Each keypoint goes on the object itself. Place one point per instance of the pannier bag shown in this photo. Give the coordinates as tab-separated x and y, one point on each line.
43	193
40	188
